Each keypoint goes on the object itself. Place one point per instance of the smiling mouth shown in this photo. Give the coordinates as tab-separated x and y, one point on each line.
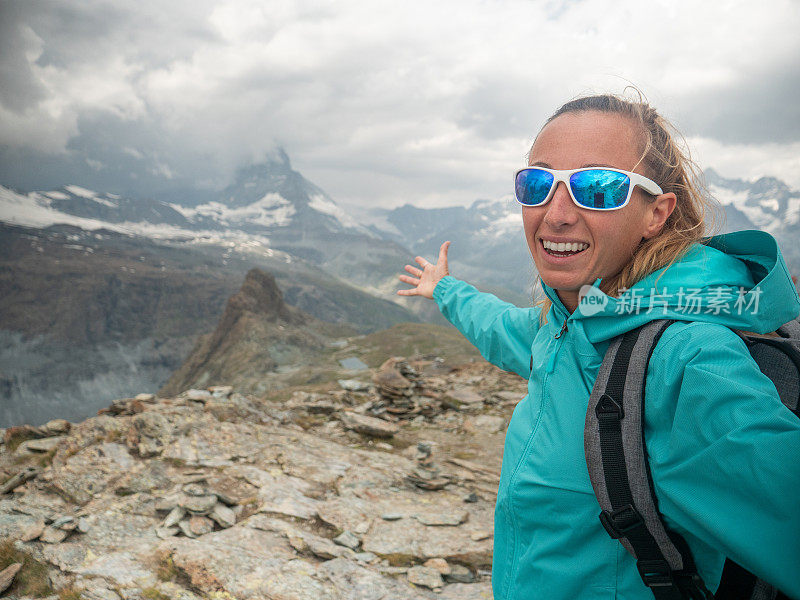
562	249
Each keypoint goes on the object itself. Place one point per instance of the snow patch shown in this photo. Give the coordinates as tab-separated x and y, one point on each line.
56	195
76	190
792	215
508	223
31	211
105	202
327	206
771	204
759	217
273	210
726	196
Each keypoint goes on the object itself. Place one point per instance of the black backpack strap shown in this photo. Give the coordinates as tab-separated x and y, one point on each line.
779	359
616	458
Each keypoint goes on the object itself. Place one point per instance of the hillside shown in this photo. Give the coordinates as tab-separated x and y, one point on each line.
86	316
378	487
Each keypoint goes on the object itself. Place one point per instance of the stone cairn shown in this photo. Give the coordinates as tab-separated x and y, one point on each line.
426	475
402	393
197	510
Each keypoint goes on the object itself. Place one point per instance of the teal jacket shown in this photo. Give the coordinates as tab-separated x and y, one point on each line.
724	452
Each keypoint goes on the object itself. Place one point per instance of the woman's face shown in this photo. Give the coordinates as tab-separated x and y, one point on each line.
572	141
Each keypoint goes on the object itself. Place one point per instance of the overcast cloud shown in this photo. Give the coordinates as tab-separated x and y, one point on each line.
380	102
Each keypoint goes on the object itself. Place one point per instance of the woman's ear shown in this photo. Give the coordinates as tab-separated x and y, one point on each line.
658	211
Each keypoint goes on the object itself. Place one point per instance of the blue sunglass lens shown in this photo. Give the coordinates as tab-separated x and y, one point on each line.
533	186
598	188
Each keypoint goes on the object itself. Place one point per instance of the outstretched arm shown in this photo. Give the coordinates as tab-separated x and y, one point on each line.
502	333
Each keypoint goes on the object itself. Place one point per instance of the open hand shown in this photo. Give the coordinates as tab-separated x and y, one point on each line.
425	279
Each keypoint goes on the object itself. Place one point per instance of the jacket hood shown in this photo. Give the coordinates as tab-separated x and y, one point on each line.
739	280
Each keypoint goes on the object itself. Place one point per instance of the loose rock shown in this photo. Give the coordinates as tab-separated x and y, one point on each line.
443	519
459	574
353	385
425	576
199	504
57	427
484	424
174	517
17	480
39	446
440	564
32	532
7	576
348	540
368	425
200	525
223	515
51	535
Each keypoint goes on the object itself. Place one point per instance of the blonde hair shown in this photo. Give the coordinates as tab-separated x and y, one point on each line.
666	163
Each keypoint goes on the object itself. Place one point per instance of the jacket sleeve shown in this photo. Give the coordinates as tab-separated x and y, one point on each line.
724	455
502	333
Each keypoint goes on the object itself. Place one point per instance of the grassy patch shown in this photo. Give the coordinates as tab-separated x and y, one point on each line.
114	435
152	593
400	560
15	436
69	594
32	580
465	455
411	339
46	459
307	421
165	568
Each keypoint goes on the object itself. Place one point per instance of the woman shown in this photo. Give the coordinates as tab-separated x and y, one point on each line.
714	426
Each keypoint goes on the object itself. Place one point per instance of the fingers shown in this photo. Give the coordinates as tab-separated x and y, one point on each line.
442	260
411	292
422	262
414	271
409	280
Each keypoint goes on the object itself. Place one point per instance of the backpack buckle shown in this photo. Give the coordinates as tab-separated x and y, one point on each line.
608	408
620	521
655	573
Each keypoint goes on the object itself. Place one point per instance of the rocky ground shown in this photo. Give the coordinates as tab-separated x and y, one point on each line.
382	488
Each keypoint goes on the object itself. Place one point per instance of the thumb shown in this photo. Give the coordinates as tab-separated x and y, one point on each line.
442	261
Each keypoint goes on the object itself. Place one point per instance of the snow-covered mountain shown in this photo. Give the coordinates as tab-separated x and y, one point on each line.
275	207
264	198
268	204
767	203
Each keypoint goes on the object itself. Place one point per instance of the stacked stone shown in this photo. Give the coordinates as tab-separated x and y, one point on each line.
426	475
197	511
55	529
402	393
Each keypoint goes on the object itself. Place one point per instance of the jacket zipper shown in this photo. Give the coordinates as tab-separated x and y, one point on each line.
559	337
563	329
551	363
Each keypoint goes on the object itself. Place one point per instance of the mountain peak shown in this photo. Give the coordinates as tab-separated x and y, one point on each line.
255	322
259	295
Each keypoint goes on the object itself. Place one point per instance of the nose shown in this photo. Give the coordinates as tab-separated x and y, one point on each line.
561	210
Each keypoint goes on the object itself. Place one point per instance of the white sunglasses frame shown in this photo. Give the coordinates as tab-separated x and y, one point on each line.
648	185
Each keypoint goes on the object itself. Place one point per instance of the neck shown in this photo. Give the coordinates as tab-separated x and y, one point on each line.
569	299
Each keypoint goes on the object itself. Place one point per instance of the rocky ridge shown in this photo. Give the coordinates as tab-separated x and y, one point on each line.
382	487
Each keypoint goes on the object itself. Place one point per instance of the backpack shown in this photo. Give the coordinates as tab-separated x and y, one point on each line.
620	473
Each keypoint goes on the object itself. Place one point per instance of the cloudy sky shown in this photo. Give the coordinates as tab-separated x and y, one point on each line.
380	102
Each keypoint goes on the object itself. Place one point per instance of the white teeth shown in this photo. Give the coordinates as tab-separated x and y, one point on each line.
565	246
